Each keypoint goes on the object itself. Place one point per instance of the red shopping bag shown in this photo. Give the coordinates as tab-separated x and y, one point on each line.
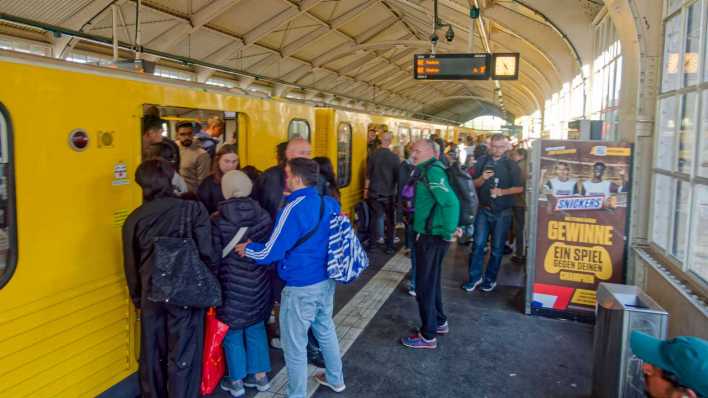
213	366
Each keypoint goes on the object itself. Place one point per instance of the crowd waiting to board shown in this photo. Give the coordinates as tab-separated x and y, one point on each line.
262	238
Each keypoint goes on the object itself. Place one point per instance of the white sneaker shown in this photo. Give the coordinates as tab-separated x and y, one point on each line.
411	292
320	378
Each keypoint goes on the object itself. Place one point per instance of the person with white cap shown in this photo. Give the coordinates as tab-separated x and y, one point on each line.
246	286
676	368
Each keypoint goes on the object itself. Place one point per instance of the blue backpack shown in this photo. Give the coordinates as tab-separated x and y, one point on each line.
346	258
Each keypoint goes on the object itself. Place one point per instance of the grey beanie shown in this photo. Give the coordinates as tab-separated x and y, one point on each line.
236	184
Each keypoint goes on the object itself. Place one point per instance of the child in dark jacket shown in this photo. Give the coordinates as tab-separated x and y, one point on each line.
246	287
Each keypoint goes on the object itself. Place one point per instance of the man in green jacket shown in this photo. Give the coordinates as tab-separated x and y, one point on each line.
437	212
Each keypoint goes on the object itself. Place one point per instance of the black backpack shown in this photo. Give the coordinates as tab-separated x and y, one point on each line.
463	186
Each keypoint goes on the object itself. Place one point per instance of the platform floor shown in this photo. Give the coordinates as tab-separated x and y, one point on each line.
493	349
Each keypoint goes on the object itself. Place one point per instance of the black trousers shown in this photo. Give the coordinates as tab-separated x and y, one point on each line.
382	206
429	254
171	344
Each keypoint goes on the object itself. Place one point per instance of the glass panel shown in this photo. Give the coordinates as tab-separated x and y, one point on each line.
7	215
672	54
682	208
661	210
299	128
703	166
344	154
673	5
692	51
699	244
666	133
687	132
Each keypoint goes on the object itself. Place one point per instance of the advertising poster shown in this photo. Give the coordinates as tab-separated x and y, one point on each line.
581	232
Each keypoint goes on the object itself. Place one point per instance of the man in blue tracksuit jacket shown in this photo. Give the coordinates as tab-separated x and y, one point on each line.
308	296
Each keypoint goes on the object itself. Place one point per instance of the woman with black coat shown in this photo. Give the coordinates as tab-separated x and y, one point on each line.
209	191
246	287
171	337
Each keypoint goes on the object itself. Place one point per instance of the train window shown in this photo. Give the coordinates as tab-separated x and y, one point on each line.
8	225
217	125
426	133
299	128
344	154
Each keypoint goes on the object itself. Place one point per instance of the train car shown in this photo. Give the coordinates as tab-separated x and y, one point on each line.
67	144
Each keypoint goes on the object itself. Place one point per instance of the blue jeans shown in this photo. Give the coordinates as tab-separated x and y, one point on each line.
249	355
497	224
303	308
410	243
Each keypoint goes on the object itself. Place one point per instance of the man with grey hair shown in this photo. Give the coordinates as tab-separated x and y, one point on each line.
435	220
381	190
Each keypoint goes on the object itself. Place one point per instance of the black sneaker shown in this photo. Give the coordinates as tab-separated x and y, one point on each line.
251	381
233	387
488	286
471	286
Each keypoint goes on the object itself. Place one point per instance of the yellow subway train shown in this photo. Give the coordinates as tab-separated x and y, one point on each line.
69	144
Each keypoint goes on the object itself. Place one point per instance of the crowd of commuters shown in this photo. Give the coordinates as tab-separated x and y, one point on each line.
263	236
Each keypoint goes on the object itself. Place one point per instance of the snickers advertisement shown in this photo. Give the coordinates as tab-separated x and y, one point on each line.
582	223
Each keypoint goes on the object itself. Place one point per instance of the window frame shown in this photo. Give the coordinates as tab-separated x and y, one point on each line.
350	155
683	268
11	215
307	123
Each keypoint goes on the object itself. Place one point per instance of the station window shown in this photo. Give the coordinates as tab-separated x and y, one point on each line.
8	230
299	128
680	197
344	154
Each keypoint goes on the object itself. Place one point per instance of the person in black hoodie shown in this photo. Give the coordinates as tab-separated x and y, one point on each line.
246	287
171	337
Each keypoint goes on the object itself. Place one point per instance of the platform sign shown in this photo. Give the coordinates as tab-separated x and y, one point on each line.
475	66
579	237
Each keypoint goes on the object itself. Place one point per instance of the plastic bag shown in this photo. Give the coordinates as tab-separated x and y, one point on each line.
213	365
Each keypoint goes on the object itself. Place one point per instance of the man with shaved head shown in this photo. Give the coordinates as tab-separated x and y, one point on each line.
269	188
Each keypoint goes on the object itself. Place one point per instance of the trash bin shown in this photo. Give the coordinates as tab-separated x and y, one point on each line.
620	310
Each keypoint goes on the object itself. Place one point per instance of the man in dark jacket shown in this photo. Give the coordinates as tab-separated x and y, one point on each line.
381	190
173	367
246	286
271	184
299	244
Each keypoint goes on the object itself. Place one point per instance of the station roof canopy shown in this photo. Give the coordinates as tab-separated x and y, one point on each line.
357	53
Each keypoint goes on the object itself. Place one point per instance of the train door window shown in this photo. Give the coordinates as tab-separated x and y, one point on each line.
416	134
344	154
299	128
426	133
210	127
8	225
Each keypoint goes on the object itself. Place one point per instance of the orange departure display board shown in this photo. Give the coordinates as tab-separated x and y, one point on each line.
475	66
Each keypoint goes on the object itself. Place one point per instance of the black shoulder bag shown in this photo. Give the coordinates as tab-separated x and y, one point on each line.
179	275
